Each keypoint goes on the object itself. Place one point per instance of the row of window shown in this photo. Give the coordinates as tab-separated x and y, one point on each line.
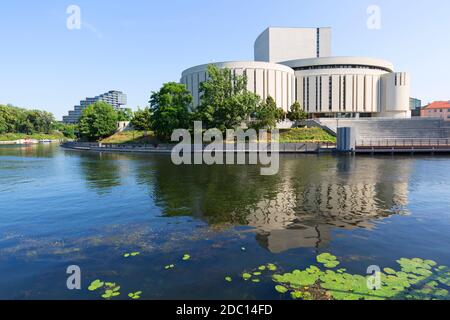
342	66
342	103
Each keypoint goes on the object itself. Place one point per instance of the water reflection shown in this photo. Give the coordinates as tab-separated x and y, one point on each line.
299	207
102	171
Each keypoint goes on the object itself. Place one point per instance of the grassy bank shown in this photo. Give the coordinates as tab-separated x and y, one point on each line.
131	137
37	136
297	135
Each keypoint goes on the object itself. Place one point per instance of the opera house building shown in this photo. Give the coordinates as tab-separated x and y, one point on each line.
295	64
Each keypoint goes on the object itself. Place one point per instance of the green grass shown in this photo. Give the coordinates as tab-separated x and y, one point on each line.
297	135
36	136
131	137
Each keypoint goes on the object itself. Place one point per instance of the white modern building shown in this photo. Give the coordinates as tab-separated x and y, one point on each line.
295	64
117	99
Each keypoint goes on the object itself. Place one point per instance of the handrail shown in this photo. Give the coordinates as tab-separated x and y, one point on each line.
403	142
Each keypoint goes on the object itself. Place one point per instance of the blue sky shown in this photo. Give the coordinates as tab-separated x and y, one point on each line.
137	45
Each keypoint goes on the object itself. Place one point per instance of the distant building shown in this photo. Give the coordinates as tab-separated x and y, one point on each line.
116	99
438	109
415	105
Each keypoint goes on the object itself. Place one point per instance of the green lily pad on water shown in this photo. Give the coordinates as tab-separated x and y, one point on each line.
186	257
272	267
228	279
135	295
246	276
170	266
131	254
328	260
97	284
281	289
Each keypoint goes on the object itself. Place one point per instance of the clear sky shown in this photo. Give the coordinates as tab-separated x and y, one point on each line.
137	45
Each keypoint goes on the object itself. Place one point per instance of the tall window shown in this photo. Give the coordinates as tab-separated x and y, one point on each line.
330	94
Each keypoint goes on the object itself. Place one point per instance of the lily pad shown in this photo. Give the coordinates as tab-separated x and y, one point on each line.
228	279
186	257
97	284
281	289
246	276
272	267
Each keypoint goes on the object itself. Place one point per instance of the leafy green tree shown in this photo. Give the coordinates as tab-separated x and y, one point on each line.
267	115
297	113
225	102
171	109
3	124
98	121
125	114
68	130
142	119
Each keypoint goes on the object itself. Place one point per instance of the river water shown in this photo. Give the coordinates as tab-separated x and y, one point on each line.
60	208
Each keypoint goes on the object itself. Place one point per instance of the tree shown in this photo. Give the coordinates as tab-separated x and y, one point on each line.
170	108
3	124
225	102
125	114
142	120
297	113
68	130
98	121
267	115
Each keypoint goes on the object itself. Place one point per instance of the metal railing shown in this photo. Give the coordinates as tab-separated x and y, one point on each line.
403	143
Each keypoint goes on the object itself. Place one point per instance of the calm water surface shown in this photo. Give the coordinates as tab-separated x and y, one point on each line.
61	208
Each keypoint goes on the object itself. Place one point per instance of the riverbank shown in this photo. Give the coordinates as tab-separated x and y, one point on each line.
20	138
295	135
167	148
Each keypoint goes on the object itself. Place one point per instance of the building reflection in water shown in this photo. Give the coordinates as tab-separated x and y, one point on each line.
352	193
300	207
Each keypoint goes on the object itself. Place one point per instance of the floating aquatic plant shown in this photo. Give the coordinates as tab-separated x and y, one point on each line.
228	279
272	267
131	254
135	295
415	280
170	266
281	289
111	289
97	284
328	260
246	276
186	257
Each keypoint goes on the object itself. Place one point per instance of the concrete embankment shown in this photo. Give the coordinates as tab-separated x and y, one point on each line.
27	142
167	148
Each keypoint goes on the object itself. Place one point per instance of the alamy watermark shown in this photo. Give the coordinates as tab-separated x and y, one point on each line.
374	278
239	147
374	19
74	280
73	21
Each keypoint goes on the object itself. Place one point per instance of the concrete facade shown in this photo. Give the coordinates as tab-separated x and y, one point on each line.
116	99
264	79
282	44
295	64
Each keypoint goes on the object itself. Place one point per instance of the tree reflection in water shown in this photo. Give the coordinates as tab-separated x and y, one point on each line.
296	208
